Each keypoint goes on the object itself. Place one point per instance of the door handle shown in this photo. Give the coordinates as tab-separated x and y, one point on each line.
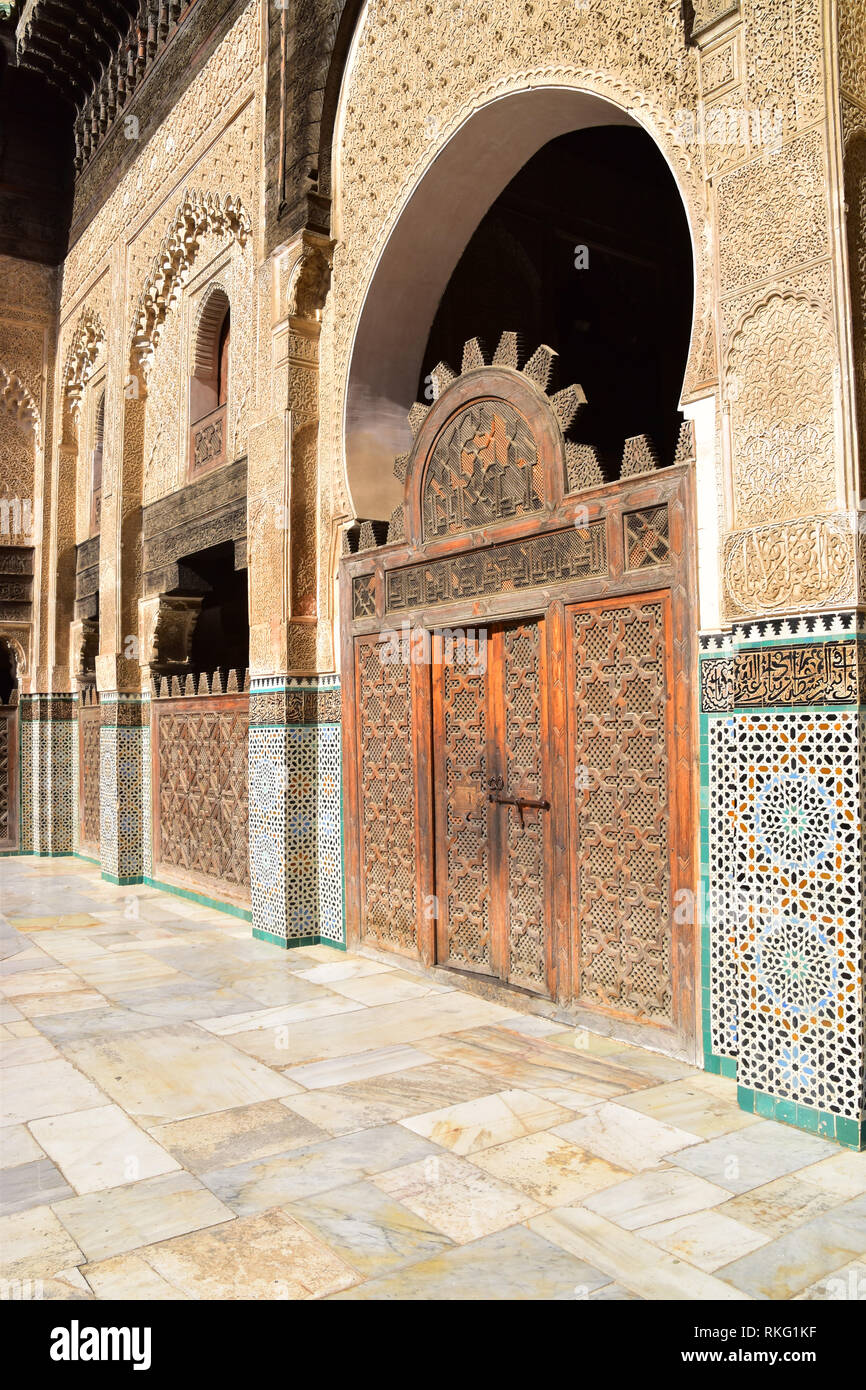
523	803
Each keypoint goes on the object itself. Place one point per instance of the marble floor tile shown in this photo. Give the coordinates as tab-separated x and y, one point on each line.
411	1021
390	988
34	1184
707	1239
93	1023
633	1262
753	1157
388	1096
655	1196
172	1073
180	1000
37	1089
689	1107
844	1174
269	1255
288	1177
323	1006
350	969
34	1244
128	1279
529	1063
845	1285
338	1071
241	1135
368	1229
479	1124
532	1026
783	1204
17	1145
19	1051
9	1014
515	1264
550	1169
40	982
456	1198
784	1267
101	1148
120	1219
41	1006
625	1137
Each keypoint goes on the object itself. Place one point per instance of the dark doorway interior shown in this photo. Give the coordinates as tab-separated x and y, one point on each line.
8	680
618	313
221	638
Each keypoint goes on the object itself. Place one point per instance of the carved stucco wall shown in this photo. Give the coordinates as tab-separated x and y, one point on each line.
28	305
206	157
421	68
758	192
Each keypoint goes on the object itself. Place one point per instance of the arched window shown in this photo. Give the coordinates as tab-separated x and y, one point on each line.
209	384
96	465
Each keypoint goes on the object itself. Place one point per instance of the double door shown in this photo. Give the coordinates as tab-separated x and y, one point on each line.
492	806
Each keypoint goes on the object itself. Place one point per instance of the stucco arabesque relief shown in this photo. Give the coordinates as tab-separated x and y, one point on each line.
395	127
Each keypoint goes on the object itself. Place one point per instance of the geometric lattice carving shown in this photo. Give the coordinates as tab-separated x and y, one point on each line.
202	792
582	466
524	776
387	808
621	779
646	537
639	456
89	723
484	467
8	733
462	767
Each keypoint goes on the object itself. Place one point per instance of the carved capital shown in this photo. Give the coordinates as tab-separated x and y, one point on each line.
166	625
310	279
83	648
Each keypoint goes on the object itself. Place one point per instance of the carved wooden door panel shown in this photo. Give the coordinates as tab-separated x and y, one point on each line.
89	723
8	777
622	842
387	805
492	822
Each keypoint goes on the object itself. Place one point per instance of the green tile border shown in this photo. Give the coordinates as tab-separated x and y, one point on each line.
851	1134
291	943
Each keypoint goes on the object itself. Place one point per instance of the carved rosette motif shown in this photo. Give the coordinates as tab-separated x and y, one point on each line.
779	381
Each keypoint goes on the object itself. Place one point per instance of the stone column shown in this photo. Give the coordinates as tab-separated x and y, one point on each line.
124	737
295	757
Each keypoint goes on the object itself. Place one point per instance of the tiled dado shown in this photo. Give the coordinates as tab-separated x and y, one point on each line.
783	805
295	788
124	787
48	774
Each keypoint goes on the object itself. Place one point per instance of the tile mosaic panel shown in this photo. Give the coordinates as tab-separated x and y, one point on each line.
295	794
784	806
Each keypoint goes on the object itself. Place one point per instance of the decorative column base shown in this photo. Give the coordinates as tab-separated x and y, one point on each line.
783	803
48	774
124	787
296	857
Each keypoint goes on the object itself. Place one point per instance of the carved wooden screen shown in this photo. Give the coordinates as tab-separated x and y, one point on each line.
387	803
485	467
200	791
89	723
620	747
8	777
491	805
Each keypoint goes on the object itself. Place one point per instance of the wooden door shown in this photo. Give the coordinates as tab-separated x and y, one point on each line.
623	825
9	776
492	808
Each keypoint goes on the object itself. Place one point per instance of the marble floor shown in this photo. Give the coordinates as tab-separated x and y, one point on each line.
191	1114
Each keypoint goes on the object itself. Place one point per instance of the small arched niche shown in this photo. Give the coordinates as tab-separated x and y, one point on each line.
209	383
